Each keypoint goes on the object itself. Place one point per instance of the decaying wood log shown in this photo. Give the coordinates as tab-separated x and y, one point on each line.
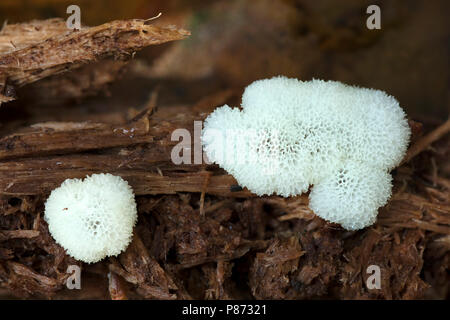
38	159
186	229
33	51
50	175
64	137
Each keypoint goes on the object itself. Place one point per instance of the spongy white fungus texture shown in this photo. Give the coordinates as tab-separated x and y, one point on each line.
289	135
92	218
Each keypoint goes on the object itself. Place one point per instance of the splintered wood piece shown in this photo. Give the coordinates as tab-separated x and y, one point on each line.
18	234
21	35
74	48
30	52
139	268
424	142
24	271
62	137
42	182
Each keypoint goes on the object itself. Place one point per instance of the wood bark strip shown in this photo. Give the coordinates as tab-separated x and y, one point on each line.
18	234
24	271
30	52
141	181
148	169
74	48
63	137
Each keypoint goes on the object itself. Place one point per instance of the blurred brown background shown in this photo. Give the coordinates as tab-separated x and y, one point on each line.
234	42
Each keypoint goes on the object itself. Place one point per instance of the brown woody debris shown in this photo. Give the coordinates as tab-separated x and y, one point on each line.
200	235
137	267
400	261
196	238
269	274
116	287
426	141
216	280
31	52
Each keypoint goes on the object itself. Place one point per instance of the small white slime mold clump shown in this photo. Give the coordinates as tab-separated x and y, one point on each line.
92	218
289	135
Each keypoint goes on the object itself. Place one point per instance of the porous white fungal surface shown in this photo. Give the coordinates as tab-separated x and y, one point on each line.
92	218
290	135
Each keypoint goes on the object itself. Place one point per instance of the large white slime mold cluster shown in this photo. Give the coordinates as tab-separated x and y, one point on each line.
341	140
